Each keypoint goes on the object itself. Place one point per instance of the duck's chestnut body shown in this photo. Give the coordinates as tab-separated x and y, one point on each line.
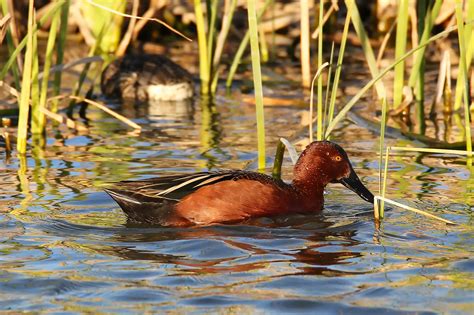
234	195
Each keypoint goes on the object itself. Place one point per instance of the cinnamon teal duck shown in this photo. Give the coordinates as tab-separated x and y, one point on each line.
233	196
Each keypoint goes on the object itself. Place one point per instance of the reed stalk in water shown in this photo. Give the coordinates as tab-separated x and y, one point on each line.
60	51
463	75
468	42
24	102
319	132
400	47
340	58
243	45
257	79
368	51
47	67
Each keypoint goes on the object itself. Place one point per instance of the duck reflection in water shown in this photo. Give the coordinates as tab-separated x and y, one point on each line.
261	242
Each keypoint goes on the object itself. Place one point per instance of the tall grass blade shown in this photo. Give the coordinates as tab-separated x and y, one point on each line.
316	77
304	42
383	125
319	131
463	75
211	30
279	154
47	66
37	116
384	184
400	47
204	69
242	47
340	58
226	23
419	56
469	43
278	161
24	103
328	86
368	51
60	52
257	79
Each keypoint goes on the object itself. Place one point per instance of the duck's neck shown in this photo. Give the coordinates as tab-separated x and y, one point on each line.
309	181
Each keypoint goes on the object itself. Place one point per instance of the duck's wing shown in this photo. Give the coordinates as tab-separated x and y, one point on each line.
154	197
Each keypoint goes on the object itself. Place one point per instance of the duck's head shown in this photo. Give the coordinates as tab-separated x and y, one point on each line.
324	162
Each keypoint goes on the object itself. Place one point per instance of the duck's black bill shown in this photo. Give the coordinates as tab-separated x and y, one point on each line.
353	183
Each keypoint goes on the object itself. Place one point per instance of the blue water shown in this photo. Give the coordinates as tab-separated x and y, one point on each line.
65	247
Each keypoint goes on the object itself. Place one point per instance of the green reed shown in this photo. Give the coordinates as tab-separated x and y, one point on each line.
463	74
383	126
400	48
204	66
319	131
415	80
53	31
24	102
257	80
468	42
60	51
340	59
243	45
304	42
367	49
37	116
210	49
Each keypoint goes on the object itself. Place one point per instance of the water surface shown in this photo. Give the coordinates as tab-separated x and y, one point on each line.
65	246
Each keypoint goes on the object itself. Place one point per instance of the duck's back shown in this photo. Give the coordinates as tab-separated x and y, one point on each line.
143	77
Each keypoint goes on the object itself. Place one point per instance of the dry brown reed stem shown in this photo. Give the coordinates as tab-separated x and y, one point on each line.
56	117
334	7
412	16
384	43
71	64
443	86
411	209
63	120
139	18
6	123
81	23
304	42
127	37
155	5
102	107
4	22
15	33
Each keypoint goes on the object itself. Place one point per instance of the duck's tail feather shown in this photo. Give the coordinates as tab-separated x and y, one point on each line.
140	208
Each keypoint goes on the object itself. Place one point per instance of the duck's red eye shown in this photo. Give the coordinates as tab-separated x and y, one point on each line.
338	158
